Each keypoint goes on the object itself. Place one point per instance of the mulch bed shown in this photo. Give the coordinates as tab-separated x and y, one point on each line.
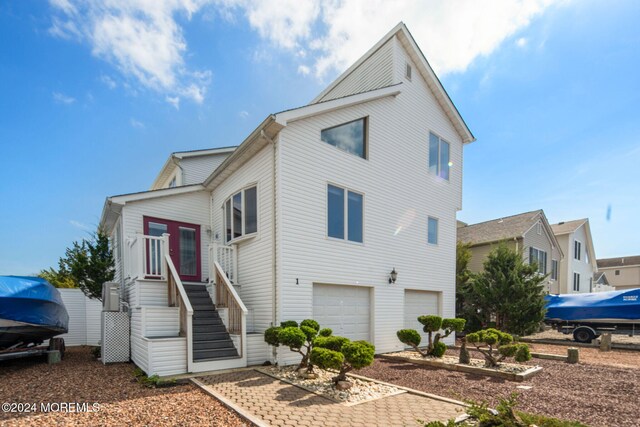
79	378
592	393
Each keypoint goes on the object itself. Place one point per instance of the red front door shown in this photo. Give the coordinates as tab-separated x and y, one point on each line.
184	245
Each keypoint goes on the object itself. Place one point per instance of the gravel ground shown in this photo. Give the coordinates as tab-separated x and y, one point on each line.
619	358
592	392
122	401
552	334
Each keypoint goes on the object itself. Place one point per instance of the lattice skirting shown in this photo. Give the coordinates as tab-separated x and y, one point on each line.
115	337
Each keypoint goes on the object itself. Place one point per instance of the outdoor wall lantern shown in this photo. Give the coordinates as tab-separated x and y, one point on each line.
393	276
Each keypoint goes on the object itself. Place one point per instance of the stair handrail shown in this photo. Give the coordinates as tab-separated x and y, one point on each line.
174	278
229	286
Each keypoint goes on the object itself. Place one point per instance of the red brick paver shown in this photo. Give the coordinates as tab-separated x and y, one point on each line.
281	404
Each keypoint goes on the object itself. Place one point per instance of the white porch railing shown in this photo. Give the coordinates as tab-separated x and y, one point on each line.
178	298
227	297
227	257
146	257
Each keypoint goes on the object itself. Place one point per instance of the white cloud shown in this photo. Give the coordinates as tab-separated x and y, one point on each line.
136	124
61	98
243	114
522	42
304	70
80	225
108	81
452	34
139	37
173	100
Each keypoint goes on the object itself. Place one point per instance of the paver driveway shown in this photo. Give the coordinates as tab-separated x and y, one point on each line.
281	404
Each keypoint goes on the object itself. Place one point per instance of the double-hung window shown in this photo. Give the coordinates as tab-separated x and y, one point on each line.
350	137
576	282
577	249
438	156
540	257
345	214
241	214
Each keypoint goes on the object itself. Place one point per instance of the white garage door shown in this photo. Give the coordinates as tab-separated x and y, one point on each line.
345	309
419	303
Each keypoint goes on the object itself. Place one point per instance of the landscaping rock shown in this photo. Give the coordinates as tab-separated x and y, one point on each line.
343	385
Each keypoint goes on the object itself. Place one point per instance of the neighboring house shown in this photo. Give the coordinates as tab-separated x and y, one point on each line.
623	272
579	264
601	283
190	167
307	218
528	233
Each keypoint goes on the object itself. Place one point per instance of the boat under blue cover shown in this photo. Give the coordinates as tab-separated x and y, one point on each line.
31	311
611	307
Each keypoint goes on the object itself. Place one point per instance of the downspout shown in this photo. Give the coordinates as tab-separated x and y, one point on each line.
274	299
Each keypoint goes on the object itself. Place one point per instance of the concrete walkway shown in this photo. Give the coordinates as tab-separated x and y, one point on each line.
268	401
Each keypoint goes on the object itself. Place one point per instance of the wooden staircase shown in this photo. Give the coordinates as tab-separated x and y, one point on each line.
211	340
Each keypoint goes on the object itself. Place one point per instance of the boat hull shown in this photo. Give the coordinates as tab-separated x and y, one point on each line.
31	311
599	307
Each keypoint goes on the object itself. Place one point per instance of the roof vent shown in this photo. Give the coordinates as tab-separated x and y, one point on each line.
561	222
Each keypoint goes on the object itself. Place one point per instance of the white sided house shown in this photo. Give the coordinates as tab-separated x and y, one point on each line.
577	269
306	218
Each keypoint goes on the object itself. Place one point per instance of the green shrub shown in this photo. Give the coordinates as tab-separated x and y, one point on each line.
299	339
355	355
359	354
292	337
438	350
311	324
454	325
498	346
430	322
332	342
271	336
289	324
327	359
325	332
410	337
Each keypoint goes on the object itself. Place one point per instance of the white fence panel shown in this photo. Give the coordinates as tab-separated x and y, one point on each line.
84	318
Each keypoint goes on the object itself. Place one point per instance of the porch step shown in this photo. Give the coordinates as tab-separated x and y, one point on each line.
201	301
211	344
206	314
198	329
215	353
210	336
207	321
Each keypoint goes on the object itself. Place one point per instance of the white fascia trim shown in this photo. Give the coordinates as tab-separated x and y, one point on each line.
324	107
146	195
197	153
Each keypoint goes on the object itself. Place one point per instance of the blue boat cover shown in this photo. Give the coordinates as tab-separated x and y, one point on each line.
32	300
623	305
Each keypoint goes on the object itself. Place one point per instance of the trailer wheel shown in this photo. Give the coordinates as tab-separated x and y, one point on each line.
584	334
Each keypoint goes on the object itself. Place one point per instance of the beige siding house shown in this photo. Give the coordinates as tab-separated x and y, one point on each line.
528	233
623	272
579	264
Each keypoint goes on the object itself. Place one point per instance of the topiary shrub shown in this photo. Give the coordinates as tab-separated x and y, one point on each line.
353	355
496	345
431	324
299	339
325	332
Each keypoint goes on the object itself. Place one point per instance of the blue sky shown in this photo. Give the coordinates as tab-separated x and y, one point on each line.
94	98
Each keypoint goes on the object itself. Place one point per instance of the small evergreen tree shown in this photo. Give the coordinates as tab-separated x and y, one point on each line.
342	355
463	274
431	324
299	338
509	291
59	278
496	345
90	263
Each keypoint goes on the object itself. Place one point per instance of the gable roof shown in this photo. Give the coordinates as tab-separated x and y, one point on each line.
506	228
600	277
566	227
430	77
619	261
